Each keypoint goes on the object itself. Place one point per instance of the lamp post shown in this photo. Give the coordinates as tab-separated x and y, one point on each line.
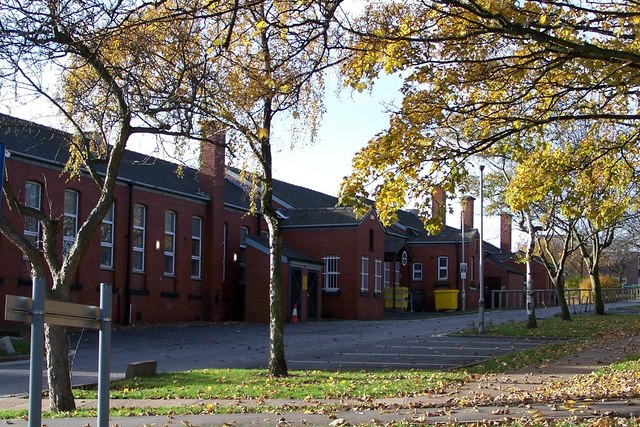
463	274
481	256
2	151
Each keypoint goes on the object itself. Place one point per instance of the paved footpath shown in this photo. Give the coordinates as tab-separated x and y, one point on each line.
418	410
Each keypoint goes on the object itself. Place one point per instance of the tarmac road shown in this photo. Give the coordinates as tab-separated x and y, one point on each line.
331	345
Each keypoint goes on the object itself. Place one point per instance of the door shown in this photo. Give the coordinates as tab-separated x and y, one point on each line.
312	294
295	293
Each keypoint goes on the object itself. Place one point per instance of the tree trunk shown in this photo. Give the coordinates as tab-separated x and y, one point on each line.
531	312
277	361
562	299
58	373
596	288
531	309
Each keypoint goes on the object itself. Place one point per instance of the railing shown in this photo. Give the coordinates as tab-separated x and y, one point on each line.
579	300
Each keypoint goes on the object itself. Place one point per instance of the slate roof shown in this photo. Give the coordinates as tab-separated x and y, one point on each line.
43	144
501	261
413	228
235	196
262	243
302	198
320	217
393	245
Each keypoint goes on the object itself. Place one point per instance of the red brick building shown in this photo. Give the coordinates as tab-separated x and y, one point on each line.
183	247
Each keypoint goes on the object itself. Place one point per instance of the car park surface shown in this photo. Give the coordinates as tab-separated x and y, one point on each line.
410	343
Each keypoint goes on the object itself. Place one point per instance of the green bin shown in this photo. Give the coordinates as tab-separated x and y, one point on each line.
446	299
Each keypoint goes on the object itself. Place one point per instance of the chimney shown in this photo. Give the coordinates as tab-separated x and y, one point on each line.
439	205
211	175
467	214
212	166
505	233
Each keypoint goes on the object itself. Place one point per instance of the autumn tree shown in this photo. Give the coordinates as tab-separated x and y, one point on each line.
622	253
110	70
487	78
590	192
270	67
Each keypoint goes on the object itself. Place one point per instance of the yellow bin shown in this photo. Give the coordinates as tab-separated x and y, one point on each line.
398	301
446	299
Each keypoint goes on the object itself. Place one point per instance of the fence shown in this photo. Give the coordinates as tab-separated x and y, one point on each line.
579	300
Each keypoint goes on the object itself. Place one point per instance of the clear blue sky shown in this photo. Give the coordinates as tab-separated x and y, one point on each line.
351	120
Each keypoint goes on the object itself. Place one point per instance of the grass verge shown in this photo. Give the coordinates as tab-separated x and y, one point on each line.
584	330
20	345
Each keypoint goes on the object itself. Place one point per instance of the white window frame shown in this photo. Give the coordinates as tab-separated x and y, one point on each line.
443	268
244	232
331	273
196	247
32	225
225	231
139	228
169	243
106	237
242	255
377	283
364	274
387	274
70	221
416	271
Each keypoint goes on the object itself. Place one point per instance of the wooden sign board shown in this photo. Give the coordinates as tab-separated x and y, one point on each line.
55	312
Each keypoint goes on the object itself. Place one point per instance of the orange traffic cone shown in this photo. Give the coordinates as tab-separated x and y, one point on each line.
294	314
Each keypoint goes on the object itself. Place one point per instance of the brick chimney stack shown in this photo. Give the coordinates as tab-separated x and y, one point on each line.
505	233
467	215
212	166
439	205
211	174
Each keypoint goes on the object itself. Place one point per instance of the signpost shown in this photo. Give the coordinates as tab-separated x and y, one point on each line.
39	311
463	270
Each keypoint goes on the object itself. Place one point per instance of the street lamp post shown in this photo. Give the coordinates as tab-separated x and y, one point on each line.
2	151
463	274
481	256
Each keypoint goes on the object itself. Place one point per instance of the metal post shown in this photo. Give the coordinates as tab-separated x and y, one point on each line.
104	360
464	293
37	351
2	151
481	256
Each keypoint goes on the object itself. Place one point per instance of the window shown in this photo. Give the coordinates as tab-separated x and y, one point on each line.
32	199
242	262
378	277
417	271
364	274
225	231
169	243
139	224
244	232
397	273
472	272
106	240
196	247
331	273
70	224
443	268
387	274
